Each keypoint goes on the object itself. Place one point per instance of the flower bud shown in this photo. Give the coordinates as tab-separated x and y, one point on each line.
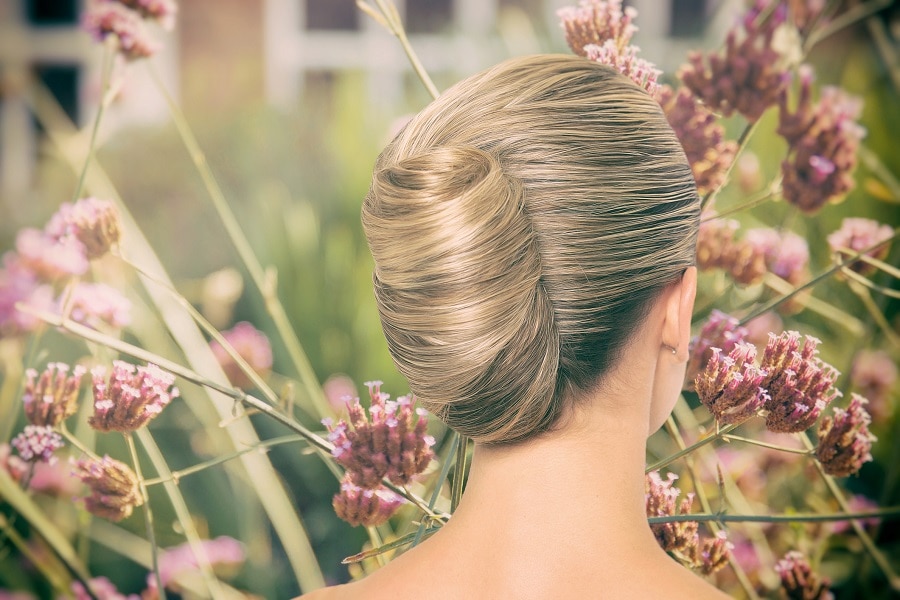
51	398
113	487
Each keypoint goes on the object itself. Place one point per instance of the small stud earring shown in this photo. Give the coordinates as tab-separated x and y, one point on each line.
668	347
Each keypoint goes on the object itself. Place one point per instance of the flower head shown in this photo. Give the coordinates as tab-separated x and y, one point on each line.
799	383
719	331
113	486
701	136
222	553
131	397
786	253
95	303
49	257
37	443
845	442
856	235
102	589
363	506
162	11
799	581
715	240
596	22
51	398
388	442
731	386
104	19
714	553
661	498
252	345
823	140
626	61
748	76
93	222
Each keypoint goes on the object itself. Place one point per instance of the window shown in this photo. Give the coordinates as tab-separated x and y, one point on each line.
62	81
52	12
428	16
340	15
688	18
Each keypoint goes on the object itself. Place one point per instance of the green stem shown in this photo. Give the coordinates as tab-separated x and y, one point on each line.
108	62
708	199
442	477
181	512
852	15
148	515
698	444
891	512
737	438
459	473
880	559
823	309
866	297
176	476
72	439
264	282
751	203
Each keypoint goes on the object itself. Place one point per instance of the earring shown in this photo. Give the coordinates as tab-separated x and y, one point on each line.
668	347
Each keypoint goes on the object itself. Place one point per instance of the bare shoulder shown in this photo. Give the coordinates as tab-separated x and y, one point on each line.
336	592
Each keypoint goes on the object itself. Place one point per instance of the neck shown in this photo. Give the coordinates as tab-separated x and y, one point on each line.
586	479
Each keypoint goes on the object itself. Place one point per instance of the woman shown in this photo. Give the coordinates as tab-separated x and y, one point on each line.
533	231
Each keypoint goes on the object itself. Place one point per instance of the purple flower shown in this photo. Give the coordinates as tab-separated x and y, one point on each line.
252	345
845	442
823	140
93	222
221	553
113	487
626	61
51	398
799	383
719	331
102	589
37	443
362	506
857	503
661	499
103	19
50	258
96	303
594	22
873	375
786	253
390	441
799	581
162	11
714	553
856	235
715	241
701	136
132	396
748	76
731	386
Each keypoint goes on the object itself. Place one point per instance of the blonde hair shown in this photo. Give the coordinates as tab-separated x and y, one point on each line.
521	224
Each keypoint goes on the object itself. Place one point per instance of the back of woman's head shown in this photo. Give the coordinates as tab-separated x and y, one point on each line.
521	225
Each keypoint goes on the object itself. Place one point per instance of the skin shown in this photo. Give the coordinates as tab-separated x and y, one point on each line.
562	515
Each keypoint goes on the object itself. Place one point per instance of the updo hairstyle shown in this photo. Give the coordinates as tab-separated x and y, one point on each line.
521	225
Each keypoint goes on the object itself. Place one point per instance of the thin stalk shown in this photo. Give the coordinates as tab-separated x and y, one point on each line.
263	282
866	297
206	326
865	282
823	309
439	483
852	15
459	473
818	278
389	18
737	438
739	572
399	542
148	515
890	512
105	100
698	444
751	203
741	143
880	559
51	574
72	439
176	476
182	513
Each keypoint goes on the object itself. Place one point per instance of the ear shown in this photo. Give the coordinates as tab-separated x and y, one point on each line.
676	331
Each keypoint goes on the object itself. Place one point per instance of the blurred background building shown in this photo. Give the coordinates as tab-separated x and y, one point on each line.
225	54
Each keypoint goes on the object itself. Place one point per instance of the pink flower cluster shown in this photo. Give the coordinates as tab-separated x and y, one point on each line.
221	553
845	442
124	19
113	487
702	137
799	383
37	443
51	398
252	345
858	235
784	253
823	140
748	76
720	331
73	236
601	30
873	375
798	580
791	383
131	397
390	442
682	538
362	506
101	589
